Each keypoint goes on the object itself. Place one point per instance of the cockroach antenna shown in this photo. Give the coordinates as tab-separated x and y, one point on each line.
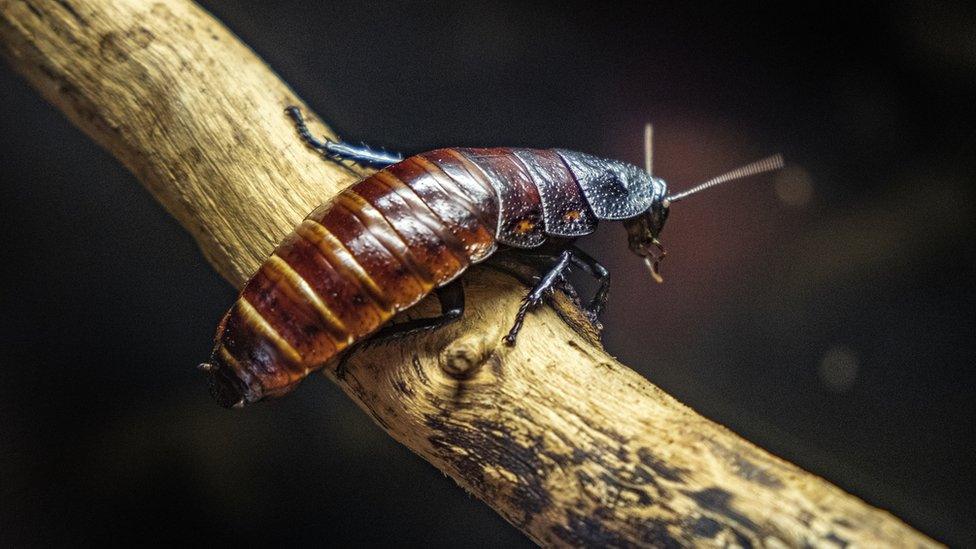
648	148
769	164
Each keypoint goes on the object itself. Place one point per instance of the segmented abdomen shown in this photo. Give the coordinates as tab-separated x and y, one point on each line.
376	249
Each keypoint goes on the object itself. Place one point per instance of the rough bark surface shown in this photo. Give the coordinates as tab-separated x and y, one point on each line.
566	443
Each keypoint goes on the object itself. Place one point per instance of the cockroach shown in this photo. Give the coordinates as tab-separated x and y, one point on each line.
413	228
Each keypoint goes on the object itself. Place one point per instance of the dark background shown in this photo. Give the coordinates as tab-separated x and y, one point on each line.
825	313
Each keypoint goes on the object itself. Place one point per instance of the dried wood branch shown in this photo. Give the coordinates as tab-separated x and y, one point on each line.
566	443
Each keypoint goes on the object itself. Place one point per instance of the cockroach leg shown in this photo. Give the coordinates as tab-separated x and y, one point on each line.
595	269
532	300
339	150
587	264
452	308
451	298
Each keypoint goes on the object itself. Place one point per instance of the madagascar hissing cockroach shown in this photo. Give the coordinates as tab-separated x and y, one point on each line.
412	228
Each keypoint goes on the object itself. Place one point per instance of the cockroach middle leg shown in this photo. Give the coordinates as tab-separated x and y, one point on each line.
532	300
451	298
361	154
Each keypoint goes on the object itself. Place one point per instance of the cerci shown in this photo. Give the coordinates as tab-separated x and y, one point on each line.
411	229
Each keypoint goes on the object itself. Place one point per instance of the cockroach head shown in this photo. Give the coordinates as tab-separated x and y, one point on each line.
643	232
644	229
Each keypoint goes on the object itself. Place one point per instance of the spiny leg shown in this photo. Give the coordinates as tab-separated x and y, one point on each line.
451	298
360	154
535	296
589	265
452	308
593	267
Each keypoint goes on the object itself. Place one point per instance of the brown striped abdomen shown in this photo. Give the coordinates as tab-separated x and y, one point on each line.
377	248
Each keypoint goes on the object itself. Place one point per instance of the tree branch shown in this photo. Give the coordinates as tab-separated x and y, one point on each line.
567	444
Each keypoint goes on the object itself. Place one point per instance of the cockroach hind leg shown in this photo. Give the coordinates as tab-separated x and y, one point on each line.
299	120
451	298
339	150
362	154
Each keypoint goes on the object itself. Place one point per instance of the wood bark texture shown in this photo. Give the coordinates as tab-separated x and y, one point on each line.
563	441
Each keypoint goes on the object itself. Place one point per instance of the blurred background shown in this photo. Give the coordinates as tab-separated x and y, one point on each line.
825	313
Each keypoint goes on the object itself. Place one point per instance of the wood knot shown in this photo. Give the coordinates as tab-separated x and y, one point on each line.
463	357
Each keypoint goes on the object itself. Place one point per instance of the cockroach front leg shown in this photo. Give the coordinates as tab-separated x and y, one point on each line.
532	300
593	267
361	154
